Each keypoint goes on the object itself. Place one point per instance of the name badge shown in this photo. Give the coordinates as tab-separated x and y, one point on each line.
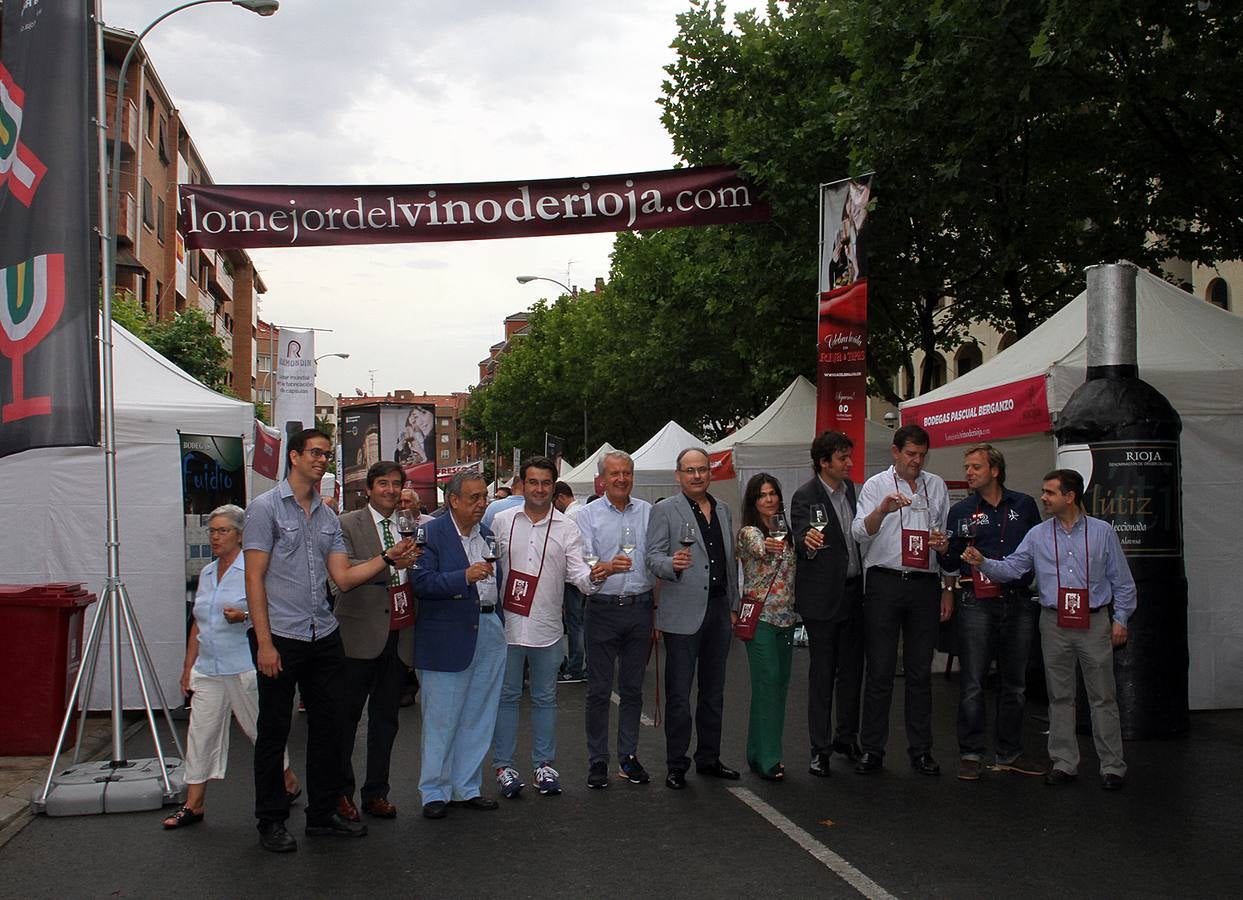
914	548
401	607
1073	608
982	586
519	592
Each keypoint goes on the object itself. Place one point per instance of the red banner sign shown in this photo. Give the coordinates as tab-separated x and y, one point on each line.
235	216
841	368
1010	410
267	460
722	463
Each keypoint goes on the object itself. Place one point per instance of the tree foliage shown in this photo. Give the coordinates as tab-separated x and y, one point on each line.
187	340
1014	144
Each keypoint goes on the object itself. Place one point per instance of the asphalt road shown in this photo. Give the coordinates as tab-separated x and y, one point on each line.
1174	831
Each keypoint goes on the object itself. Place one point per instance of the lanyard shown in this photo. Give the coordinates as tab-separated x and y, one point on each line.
927	500
547	535
1057	557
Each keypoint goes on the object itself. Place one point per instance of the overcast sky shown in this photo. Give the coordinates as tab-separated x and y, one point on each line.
399	92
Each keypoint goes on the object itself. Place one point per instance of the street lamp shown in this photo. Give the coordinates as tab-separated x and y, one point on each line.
116	606
326	355
527	279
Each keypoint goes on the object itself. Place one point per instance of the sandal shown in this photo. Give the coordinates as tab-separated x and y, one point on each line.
291	796
183	818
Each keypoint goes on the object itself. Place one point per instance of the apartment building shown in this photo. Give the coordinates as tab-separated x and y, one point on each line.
451	448
153	264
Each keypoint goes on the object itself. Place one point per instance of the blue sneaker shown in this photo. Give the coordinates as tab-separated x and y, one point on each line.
510	782
632	770
548	780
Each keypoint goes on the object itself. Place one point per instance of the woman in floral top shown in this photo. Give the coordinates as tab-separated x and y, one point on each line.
768	575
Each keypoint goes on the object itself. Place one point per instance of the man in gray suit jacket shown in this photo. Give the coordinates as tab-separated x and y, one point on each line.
698	594
378	655
828	595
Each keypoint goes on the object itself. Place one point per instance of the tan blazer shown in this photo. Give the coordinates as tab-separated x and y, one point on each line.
364	612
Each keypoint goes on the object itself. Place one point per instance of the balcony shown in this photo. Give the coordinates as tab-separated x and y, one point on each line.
218	281
127	218
129	123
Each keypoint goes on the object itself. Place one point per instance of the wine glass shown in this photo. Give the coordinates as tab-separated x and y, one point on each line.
407	522
628	539
591	557
420	535
777	529
819	517
967	530
686	535
489	552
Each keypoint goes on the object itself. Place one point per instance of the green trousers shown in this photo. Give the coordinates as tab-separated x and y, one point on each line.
770	653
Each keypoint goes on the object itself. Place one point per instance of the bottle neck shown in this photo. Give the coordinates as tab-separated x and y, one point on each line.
1129	370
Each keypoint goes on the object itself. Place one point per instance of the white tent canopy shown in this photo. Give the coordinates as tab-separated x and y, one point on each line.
582	478
1192	352
655	461
54	509
778	441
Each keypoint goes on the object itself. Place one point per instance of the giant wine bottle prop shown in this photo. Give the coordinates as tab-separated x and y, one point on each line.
1121	434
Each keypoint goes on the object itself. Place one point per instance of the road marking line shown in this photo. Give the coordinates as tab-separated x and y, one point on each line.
644	718
839	866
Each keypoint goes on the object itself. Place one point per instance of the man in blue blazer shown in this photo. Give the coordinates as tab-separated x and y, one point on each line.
459	651
698	593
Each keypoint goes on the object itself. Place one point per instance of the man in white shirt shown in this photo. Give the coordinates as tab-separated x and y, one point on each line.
539	550
572	667
899	521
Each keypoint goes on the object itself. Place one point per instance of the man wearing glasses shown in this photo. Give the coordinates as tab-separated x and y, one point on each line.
292	543
699	590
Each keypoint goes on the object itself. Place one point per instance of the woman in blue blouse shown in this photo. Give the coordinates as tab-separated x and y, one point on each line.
219	671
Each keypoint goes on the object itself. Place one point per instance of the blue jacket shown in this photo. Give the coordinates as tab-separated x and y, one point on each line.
444	636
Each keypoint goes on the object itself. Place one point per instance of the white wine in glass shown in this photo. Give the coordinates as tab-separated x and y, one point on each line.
819	517
628	540
777	529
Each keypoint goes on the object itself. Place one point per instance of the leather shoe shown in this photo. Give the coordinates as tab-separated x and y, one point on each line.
850	751
1111	781
274	838
346	809
480	803
675	780
718	769
868	763
335	826
924	764
380	808
437	809
819	765
1058	777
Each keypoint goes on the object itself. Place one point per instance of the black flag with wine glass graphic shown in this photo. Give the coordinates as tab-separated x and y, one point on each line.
49	362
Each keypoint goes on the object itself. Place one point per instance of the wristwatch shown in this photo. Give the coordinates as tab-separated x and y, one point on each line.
387	559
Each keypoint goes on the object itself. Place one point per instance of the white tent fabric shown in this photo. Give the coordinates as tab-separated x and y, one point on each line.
778	441
54	512
654	462
582	478
1192	352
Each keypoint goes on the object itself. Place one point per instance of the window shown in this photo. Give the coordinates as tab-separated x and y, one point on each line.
149	111
934	369
1006	340
444	423
148	204
159	292
444	439
968	357
163	143
160	210
1218	293
444	454
906	381
264	363
192	265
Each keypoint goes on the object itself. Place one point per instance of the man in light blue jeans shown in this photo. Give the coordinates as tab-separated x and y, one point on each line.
539	549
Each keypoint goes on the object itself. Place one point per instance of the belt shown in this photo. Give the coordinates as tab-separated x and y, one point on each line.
1093	611
905	574
483	610
621	599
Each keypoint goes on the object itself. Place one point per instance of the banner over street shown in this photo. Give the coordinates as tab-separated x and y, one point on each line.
248	216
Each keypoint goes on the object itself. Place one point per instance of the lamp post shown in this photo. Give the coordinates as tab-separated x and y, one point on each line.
116	606
527	279
326	355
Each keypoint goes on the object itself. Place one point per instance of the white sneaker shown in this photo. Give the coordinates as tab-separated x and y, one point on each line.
548	779
509	781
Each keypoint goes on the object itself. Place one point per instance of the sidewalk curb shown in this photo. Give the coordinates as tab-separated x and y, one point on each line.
16	817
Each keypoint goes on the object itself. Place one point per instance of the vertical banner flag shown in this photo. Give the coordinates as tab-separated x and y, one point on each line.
841	345
213	473
49	258
267	461
293	401
554	449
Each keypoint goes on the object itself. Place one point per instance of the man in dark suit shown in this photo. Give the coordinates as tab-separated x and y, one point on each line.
459	651
698	592
377	628
828	594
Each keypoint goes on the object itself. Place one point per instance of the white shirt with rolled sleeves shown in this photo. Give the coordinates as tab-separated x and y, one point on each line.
885	547
563	562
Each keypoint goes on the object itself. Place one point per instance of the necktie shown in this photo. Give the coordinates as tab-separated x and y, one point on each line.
393	579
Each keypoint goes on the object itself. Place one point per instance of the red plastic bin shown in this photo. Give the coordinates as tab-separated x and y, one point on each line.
40	652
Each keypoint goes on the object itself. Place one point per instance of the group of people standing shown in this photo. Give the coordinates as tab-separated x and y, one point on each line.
865	572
